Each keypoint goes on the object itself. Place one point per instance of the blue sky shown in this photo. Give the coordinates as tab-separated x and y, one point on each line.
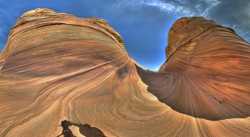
143	24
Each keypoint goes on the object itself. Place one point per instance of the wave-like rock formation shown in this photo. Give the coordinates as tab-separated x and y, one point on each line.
59	67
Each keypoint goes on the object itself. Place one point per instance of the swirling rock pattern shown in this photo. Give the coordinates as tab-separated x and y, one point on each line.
207	73
56	66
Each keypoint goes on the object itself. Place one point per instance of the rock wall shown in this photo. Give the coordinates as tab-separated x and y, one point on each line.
59	67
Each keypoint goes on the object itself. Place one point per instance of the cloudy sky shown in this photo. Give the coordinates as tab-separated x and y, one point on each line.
143	24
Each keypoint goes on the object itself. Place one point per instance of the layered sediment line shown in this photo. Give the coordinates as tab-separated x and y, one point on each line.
57	67
207	72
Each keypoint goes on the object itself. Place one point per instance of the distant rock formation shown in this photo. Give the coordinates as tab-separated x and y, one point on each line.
57	67
207	72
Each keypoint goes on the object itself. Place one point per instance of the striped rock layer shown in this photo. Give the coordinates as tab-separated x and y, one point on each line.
56	66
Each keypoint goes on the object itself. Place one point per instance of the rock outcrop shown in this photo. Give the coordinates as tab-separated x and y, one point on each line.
59	67
207	72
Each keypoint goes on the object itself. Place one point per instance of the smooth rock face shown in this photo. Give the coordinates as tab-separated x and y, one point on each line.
59	67
207	73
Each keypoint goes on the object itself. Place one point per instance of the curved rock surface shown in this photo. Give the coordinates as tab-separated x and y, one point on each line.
56	66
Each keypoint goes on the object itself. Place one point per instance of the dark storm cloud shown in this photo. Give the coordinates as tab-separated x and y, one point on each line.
143	24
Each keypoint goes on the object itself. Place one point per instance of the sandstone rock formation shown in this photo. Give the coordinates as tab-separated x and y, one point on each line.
56	66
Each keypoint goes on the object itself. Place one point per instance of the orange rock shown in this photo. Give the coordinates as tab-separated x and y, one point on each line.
207	73
59	67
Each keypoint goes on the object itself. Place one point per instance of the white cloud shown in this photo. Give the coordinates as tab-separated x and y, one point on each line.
182	7
169	7
212	4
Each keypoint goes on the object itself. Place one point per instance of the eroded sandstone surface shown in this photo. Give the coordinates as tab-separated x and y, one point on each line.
56	67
